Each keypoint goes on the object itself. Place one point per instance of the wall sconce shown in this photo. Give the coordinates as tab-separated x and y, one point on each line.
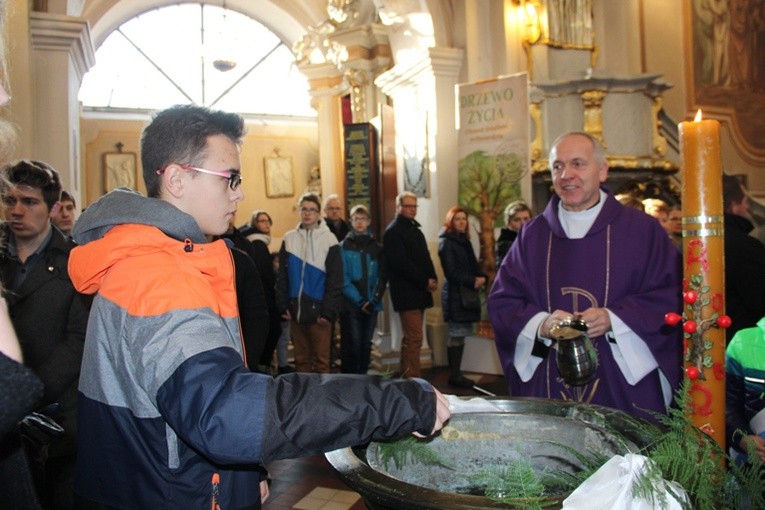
528	12
530	15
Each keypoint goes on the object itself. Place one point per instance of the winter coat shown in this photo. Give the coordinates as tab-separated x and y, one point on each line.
409	265
504	242
50	319
364	272
745	369
310	279
167	407
20	389
744	274
460	269
255	295
340	230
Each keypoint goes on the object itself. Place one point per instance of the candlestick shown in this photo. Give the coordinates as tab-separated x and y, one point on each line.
703	272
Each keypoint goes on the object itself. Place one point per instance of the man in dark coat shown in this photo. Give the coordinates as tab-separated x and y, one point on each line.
49	316
744	261
412	278
334	219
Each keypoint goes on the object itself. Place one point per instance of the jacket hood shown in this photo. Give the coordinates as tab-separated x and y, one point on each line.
257	236
124	206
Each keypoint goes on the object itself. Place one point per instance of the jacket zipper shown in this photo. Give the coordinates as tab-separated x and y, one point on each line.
215	492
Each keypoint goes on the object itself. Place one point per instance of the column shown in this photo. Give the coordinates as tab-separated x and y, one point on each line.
62	52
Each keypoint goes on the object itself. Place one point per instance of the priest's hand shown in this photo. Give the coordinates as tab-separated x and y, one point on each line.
598	321
551	320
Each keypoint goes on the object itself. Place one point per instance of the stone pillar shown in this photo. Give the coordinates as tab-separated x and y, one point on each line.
423	90
62	52
327	87
365	54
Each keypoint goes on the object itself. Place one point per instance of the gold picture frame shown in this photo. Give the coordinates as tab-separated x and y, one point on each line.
279	175
119	170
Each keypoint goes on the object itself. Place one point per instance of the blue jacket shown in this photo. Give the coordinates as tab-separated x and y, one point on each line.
310	279
364	277
166	405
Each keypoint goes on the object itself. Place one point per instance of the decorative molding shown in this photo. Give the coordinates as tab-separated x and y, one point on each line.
431	63
57	32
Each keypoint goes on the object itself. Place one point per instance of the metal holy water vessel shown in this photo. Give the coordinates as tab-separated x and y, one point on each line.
576	356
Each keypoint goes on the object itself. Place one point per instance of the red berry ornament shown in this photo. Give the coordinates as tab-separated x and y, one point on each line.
690	296
693	373
689	327
672	318
724	321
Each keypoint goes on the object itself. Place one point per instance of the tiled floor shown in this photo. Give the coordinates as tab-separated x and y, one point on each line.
311	484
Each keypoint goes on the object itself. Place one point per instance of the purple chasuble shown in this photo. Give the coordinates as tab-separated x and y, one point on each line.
625	263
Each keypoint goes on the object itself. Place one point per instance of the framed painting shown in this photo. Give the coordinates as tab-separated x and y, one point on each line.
119	170
279	173
726	74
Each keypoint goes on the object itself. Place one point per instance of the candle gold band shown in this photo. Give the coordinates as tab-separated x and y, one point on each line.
692	220
704	232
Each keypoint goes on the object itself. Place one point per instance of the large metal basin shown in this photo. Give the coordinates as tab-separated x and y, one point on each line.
524	428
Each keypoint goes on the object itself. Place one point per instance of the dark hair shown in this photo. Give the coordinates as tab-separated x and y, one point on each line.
179	135
449	222
310	197
66	197
35	174
733	191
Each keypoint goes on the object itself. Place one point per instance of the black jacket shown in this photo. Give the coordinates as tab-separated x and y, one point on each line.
50	319
504	242
340	231
409	265
460	269
744	275
259	318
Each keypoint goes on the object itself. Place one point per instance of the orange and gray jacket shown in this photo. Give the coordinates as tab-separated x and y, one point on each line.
166	405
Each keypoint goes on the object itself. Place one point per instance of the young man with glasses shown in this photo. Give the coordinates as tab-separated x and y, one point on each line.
364	285
309	286
170	417
412	279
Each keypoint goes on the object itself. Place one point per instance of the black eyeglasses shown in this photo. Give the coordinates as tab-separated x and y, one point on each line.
234	178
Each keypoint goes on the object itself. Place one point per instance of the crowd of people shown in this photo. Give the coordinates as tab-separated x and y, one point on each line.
167	327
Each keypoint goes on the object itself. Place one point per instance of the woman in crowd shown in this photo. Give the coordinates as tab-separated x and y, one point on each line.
516	214
261	238
459	297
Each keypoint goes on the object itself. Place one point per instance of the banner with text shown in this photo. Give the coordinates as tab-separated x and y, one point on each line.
493	153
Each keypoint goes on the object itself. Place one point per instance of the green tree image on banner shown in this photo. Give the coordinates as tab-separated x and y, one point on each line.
487	183
493	155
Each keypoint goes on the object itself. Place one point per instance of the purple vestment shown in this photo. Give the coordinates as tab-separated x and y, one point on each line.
625	263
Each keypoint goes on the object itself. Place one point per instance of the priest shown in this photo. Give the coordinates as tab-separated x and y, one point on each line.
589	256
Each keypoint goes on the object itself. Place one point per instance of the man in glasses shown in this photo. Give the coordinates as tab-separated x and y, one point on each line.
309	285
412	278
170	417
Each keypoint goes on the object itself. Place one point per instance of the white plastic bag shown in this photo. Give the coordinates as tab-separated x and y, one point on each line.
610	488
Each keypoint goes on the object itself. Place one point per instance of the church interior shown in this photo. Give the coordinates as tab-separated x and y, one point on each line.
625	71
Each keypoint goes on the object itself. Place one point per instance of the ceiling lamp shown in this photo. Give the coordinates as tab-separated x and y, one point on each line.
224	64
